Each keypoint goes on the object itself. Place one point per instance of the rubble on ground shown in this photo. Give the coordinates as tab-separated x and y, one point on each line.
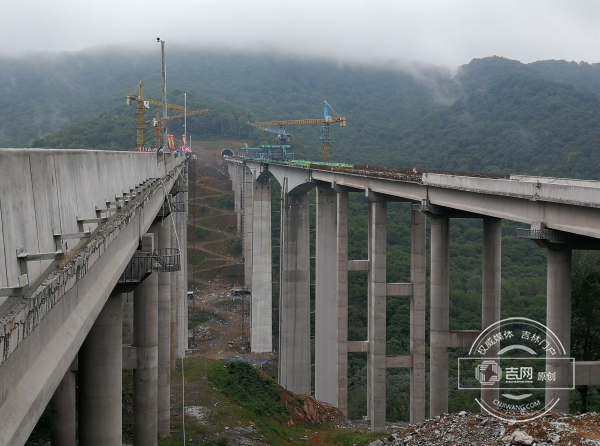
467	429
306	410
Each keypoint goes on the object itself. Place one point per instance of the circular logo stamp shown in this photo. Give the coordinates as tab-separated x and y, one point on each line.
514	362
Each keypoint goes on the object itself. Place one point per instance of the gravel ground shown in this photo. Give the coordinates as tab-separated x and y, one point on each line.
476	429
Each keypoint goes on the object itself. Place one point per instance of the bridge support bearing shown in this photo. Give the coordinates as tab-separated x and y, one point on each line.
326	297
377	295
101	379
63	421
164	335
558	319
440	316
491	283
417	315
145	339
261	340
294	302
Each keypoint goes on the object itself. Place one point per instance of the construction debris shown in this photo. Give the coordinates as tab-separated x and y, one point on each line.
468	429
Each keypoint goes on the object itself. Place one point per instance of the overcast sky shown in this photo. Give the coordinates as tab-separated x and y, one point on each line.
443	32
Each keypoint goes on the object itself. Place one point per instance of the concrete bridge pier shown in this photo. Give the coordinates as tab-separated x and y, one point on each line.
377	295
181	275
127	318
184	263
558	319
261	340
326	297
342	296
440	316
418	266
237	179
145	337
247	221
174	284
294	302
491	285
101	379
63	421
164	334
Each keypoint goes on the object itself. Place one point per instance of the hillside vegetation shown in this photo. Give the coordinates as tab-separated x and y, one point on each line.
493	114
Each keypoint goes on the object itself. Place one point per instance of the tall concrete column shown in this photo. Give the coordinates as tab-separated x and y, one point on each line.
342	296
418	266
491	285
101	378
247	223
174	297
63	421
182	304
261	338
238	186
377	294
558	319
326	296
184	262
164	335
127	318
440	317
145	338
294	301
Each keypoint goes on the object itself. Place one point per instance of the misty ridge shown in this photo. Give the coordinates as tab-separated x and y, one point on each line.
491	115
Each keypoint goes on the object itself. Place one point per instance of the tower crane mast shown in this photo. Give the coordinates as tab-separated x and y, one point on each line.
325	122
156	121
140	110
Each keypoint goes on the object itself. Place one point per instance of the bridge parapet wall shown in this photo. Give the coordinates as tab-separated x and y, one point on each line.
44	192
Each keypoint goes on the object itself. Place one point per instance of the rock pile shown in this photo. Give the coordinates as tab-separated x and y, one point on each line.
468	429
305	410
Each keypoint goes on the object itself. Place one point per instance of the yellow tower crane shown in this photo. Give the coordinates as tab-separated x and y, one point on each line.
142	104
156	121
325	122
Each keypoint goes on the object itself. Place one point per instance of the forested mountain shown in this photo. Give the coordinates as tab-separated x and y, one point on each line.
493	114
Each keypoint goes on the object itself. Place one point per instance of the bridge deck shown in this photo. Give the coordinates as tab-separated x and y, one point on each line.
44	193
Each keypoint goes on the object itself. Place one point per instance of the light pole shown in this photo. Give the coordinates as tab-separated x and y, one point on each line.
165	142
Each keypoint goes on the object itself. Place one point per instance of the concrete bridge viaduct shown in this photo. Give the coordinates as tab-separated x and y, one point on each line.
92	280
560	215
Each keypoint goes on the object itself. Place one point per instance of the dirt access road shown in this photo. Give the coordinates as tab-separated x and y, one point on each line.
219	323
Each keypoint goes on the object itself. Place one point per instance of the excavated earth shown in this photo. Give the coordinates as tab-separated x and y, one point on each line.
476	429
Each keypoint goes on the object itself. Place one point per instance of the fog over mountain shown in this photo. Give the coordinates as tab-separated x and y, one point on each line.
437	31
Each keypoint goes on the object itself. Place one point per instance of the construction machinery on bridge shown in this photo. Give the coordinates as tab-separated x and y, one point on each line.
140	111
156	122
325	122
282	135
